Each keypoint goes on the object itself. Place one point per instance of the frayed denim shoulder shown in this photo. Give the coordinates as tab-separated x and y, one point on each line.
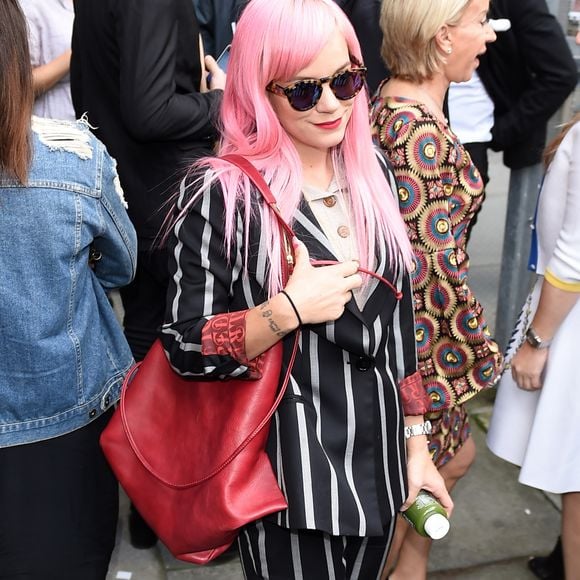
63	135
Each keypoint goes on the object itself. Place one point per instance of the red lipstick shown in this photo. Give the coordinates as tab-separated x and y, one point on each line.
330	124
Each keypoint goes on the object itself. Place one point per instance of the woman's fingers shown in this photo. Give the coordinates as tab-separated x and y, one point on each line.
321	291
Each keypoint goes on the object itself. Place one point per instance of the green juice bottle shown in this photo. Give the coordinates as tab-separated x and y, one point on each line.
427	516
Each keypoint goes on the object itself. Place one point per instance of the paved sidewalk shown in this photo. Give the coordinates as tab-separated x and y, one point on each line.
497	524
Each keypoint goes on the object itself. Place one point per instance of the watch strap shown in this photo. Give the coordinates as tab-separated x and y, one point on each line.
418	429
535	341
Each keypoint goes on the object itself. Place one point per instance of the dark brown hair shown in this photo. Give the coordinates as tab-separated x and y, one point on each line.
553	145
16	93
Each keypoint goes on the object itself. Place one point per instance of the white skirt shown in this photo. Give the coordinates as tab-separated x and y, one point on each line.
540	430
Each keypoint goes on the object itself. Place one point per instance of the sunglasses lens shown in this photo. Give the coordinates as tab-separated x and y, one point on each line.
347	85
304	95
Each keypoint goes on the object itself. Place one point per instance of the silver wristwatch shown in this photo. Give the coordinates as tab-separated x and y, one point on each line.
535	341
418	429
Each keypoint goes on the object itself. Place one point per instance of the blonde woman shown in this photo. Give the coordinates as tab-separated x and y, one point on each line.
427	46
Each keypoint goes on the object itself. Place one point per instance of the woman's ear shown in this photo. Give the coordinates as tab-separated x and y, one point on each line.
443	39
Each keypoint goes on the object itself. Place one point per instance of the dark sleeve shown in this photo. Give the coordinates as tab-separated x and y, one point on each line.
545	53
239	6
205	12
151	106
201	335
364	15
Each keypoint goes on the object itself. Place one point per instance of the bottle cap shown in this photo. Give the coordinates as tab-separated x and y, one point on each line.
436	526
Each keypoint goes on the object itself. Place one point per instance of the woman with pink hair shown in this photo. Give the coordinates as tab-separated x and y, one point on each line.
296	107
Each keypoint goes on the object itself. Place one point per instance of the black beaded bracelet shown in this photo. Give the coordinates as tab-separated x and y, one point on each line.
293	306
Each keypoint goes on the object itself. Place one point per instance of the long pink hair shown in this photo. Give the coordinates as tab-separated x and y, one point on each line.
275	39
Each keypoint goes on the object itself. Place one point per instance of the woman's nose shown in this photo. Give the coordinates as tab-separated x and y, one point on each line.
490	35
328	100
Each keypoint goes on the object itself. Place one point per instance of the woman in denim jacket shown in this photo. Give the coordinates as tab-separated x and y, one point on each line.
65	240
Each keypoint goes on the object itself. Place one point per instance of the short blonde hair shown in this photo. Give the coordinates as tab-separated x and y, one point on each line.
409	29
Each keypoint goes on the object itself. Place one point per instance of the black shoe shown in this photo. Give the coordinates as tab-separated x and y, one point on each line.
549	567
141	535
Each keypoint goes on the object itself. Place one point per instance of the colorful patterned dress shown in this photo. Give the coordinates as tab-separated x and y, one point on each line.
439	192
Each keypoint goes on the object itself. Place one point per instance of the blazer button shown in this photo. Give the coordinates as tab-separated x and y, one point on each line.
364	363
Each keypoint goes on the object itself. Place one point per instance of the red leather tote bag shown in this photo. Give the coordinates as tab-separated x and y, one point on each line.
189	453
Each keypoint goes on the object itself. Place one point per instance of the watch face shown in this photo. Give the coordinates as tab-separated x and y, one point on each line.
533	340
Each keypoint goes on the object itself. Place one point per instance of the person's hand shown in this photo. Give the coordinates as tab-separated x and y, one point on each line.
321	293
217	77
527	367
422	474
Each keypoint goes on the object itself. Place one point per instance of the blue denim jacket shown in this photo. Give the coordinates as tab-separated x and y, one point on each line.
62	352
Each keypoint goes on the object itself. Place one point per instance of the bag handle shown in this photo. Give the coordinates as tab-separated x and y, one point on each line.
256	177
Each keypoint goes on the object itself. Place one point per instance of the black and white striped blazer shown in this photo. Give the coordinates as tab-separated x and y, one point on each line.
336	441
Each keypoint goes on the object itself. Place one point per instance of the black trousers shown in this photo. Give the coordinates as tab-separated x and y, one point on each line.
269	551
59	504
478	154
144	301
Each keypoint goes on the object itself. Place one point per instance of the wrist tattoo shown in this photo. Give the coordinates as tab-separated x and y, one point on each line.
266	312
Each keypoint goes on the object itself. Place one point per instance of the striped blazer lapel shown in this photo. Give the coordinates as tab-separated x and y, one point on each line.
308	231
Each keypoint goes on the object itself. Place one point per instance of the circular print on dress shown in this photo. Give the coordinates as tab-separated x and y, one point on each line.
465	325
426	333
419	270
440	298
435	445
398	126
483	373
458	209
470	179
411	192
439	392
445	264
452	359
448	179
425	150
434	228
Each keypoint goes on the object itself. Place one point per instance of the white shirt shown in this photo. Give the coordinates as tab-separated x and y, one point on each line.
471	111
50	24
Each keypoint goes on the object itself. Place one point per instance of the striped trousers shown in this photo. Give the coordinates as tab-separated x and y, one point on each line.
270	552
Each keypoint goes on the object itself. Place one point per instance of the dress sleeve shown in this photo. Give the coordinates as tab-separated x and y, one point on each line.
414	397
202	335
563	270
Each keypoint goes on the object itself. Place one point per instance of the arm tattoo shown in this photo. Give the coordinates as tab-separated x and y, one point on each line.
266	312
